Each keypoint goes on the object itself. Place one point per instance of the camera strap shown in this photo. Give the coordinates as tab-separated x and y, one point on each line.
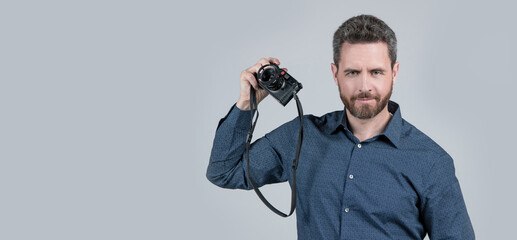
253	109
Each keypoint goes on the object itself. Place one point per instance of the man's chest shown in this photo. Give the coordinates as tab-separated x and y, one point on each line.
371	177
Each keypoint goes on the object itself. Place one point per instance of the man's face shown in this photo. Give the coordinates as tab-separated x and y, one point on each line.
365	78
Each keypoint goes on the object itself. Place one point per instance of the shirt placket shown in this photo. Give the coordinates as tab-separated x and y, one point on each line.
347	208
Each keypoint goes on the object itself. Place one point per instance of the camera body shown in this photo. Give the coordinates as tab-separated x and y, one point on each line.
278	83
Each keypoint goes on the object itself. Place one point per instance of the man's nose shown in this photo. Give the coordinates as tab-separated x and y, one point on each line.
365	83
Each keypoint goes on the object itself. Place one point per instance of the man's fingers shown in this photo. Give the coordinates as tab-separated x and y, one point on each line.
261	62
254	82
256	67
274	60
248	76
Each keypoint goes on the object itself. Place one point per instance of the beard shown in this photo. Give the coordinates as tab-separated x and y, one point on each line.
365	111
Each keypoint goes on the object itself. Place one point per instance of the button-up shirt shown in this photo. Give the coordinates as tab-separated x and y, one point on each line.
399	184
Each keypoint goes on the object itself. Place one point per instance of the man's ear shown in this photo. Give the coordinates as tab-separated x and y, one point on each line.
395	72
334	69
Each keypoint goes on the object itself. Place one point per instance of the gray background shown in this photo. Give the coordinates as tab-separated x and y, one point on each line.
108	108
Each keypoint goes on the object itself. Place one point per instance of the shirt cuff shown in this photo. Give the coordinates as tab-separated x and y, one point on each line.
240	119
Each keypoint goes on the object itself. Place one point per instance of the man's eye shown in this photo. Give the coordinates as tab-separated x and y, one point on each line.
352	73
376	73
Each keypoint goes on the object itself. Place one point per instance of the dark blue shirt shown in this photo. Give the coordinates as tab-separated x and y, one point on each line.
397	185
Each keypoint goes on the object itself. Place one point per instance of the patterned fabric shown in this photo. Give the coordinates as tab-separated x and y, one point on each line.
397	185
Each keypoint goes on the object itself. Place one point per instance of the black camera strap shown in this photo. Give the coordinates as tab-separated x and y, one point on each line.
253	108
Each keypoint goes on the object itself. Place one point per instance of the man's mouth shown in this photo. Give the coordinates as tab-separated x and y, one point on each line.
365	100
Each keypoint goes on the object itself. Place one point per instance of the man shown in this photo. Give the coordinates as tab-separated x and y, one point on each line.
365	172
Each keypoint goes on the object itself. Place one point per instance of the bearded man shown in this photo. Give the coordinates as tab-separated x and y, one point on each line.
364	172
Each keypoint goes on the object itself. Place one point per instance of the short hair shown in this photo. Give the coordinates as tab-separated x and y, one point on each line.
365	29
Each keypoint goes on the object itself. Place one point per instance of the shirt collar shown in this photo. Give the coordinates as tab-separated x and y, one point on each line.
393	129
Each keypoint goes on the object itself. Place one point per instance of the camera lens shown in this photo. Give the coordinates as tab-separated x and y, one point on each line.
271	78
268	74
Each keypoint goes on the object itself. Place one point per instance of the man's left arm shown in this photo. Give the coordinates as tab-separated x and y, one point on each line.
443	208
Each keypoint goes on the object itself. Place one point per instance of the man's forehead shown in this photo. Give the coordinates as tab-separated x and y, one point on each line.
375	47
365	53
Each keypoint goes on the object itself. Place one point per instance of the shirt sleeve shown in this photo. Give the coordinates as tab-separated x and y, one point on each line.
227	167
444	212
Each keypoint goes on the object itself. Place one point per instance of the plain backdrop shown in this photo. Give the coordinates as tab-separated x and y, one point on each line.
108	109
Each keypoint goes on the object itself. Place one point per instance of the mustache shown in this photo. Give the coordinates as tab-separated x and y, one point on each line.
366	95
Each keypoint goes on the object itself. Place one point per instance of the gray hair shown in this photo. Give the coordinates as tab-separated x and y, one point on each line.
365	29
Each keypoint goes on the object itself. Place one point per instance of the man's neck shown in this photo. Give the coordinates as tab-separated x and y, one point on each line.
367	128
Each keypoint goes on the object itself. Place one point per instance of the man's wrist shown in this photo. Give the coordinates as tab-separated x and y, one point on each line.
243	105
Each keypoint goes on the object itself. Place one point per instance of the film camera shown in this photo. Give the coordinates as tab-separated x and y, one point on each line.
278	83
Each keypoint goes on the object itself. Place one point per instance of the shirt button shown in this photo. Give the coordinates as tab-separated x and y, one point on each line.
359	145
347	210
351	176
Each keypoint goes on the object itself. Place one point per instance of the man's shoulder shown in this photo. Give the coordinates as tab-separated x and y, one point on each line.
311	124
330	116
415	139
326	121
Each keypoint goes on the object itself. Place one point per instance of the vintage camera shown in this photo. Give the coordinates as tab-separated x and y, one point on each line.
278	83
